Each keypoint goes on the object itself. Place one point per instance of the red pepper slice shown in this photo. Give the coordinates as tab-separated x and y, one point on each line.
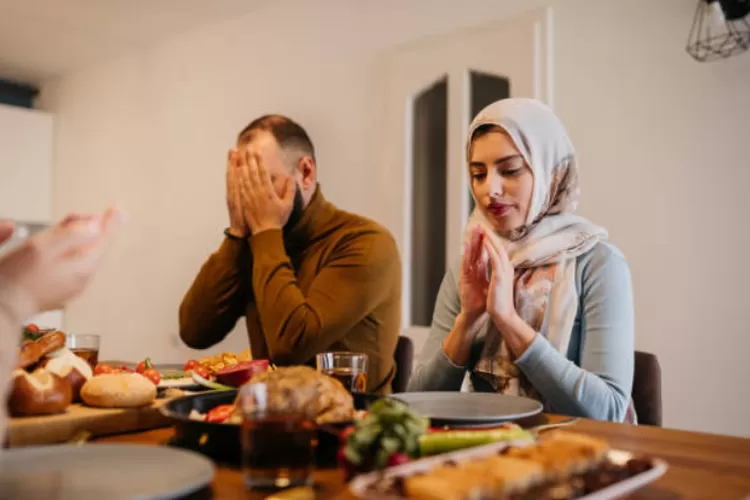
219	414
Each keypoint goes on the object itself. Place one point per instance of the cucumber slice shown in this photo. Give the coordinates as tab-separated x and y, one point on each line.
211	385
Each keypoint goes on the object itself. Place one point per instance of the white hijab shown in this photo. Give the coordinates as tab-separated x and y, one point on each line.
544	251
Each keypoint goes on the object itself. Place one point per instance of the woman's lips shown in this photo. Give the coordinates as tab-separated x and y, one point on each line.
499	209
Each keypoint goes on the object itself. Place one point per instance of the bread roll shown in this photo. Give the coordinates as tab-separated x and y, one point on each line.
39	393
118	390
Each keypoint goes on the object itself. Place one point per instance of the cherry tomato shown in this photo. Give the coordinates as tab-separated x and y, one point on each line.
153	375
190	364
219	413
397	458
32	329
144	365
201	371
101	369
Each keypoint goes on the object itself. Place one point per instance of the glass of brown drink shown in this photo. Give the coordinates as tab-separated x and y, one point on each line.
277	445
85	347
349	368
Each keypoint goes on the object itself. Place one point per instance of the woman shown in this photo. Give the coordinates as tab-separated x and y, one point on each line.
43	273
540	305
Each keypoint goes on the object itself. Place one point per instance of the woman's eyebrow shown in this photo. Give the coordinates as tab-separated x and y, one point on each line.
496	162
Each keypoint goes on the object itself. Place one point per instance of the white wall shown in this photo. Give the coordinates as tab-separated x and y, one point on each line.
150	129
26	141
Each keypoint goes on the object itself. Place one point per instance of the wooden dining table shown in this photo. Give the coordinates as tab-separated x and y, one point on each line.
701	465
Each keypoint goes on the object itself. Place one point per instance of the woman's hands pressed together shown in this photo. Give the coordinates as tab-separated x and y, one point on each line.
501	304
482	294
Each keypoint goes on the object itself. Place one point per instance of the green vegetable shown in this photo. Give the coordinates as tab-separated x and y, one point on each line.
445	441
389	428
211	385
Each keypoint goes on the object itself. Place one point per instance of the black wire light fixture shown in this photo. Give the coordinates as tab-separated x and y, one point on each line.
721	29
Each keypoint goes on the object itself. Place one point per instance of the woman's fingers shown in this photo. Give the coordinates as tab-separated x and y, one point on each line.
498	255
466	260
6	230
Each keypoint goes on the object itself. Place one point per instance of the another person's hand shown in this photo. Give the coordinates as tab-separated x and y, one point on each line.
500	293
264	209
237	223
50	268
472	281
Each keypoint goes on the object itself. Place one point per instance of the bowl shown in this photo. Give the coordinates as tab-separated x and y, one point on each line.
237	375
222	442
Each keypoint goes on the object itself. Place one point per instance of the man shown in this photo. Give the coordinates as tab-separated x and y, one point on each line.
308	277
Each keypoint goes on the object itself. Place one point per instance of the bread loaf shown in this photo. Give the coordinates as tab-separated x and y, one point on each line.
118	390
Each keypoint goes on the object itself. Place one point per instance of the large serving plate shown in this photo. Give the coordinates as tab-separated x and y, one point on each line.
469	409
186	383
361	485
112	471
222	441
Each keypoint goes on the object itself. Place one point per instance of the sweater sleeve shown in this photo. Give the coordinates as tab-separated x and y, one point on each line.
353	281
218	296
600	388
435	371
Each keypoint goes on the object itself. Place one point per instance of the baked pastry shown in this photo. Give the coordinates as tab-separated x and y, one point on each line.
478	478
562	453
118	390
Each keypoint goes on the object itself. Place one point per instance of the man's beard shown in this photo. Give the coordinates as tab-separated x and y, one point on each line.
298	208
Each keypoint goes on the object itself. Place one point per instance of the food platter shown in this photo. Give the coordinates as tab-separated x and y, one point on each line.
374	485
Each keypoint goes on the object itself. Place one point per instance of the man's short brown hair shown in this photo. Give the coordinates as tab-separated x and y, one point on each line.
288	134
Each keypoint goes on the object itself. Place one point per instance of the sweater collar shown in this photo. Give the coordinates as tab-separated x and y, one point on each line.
313	222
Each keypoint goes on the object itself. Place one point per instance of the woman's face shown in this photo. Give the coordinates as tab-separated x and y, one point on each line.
501	181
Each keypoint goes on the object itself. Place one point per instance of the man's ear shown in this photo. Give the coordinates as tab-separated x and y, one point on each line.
309	172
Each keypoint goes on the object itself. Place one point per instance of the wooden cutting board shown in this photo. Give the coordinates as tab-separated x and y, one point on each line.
59	428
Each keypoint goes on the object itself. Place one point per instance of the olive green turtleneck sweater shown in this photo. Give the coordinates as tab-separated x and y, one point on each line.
333	283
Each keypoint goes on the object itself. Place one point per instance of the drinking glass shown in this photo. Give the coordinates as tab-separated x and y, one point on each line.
349	368
278	445
85	347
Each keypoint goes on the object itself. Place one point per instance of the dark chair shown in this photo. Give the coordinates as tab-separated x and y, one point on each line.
647	388
404	363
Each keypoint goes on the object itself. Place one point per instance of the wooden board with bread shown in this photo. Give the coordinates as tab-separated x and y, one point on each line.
56	394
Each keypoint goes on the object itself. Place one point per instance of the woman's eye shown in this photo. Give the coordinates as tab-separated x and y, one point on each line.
478	176
512	172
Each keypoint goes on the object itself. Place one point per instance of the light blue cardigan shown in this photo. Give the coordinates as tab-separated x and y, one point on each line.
593	380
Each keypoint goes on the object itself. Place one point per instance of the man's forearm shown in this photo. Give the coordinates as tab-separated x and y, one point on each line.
217	297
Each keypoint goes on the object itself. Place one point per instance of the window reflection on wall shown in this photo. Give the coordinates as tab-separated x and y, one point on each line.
429	199
429	193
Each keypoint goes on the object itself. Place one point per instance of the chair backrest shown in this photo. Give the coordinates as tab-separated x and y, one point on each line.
404	357
647	389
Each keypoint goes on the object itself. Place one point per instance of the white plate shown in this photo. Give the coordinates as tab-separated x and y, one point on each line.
180	383
458	409
95	471
359	485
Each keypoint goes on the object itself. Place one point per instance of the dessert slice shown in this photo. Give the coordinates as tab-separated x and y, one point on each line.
564	453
